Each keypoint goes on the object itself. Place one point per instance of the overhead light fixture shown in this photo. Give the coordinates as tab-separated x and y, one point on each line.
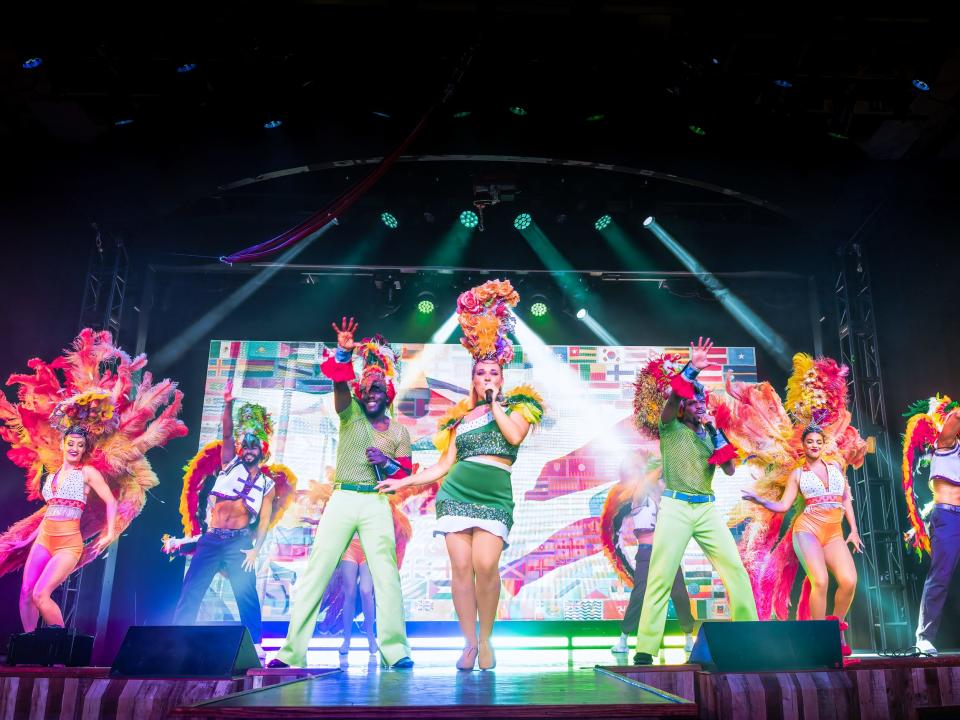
697	130
539	306
783	83
425	303
581	313
31	63
522	221
389	220
603	222
469	219
596	118
518	111
123	121
271	124
381	114
187	67
461	114
921	85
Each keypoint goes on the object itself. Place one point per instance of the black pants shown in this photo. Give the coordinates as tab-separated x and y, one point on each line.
944	555
221	550
678	593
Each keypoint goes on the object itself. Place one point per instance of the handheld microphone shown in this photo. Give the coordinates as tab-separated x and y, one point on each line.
489	395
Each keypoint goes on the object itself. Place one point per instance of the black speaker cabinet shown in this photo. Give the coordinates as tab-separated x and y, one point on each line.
768	646
50	646
193	651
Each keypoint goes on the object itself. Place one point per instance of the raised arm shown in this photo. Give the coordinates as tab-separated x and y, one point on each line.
786	500
344	355
684	384
951	428
227	450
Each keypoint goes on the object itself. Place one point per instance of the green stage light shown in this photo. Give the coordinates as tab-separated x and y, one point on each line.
425	307
596	118
389	220
697	130
538	309
581	313
603	222
461	114
522	221
518	111
469	219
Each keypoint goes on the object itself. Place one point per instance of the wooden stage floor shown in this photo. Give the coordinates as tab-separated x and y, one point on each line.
526	684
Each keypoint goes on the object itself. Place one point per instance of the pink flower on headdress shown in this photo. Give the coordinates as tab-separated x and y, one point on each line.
501	310
506	357
468	303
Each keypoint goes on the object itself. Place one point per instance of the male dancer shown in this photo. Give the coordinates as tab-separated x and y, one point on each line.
944	531
690	448
371	446
239	509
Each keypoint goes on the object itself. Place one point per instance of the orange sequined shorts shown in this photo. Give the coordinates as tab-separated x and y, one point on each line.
61	536
354	553
824	523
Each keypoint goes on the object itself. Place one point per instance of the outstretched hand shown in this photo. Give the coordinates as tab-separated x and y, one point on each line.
104	542
699	353
228	391
751	497
392	485
854	539
345	333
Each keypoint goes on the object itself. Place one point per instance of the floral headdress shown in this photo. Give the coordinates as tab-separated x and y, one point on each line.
380	362
253	421
650	391
486	320
94	411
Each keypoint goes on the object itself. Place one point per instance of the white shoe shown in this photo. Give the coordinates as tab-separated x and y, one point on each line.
261	655
688	642
926	647
620	647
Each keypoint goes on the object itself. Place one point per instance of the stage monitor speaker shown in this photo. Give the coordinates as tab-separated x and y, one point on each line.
768	646
193	651
50	646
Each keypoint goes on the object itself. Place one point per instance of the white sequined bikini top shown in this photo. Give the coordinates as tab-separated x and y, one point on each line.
814	491
65	494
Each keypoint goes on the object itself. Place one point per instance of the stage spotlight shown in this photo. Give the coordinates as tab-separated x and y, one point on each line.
522	221
381	114
123	121
425	303
596	118
581	313
469	219
517	110
538	306
765	335
697	130
461	114
389	220
783	83
271	124
921	85
603	222
35	62
187	67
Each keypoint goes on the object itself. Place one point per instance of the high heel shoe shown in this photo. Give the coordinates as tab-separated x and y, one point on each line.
468	658
493	658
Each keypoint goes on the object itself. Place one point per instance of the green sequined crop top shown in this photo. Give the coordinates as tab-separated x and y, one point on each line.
482	436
